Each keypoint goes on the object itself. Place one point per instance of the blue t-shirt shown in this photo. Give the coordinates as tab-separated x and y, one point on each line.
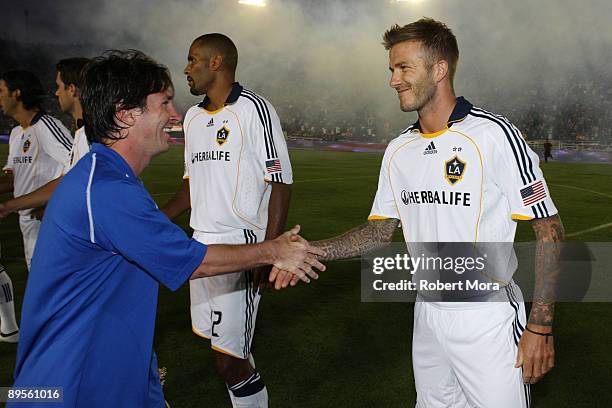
88	315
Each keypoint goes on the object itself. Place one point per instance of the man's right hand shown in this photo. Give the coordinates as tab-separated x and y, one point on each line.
294	255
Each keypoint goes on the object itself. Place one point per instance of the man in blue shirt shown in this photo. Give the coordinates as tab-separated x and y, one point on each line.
88	316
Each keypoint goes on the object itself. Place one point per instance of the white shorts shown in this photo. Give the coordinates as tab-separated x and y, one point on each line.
463	354
224	307
29	230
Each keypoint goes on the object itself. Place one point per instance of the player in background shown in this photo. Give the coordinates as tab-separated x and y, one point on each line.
38	146
38	150
68	81
481	353
237	177
547	150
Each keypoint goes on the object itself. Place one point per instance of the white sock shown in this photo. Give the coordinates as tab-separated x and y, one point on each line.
250	393
231	394
257	400
8	324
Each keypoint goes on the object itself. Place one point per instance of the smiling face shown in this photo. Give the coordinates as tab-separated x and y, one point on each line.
411	76
151	123
198	72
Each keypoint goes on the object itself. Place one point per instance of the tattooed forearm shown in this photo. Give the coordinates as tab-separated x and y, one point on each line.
367	237
549	234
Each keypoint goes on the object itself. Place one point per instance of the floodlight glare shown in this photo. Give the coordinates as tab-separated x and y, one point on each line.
256	3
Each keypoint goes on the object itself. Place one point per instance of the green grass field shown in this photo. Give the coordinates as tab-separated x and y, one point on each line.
317	345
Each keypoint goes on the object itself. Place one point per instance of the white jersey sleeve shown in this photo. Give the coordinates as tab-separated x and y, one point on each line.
271	147
384	206
55	140
517	173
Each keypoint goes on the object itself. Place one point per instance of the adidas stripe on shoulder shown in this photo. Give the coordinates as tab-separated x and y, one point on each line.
55	130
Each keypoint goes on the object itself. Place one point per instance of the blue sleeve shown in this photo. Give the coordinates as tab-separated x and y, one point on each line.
126	221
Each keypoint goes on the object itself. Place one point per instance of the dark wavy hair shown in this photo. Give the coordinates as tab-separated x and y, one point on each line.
32	92
116	81
70	70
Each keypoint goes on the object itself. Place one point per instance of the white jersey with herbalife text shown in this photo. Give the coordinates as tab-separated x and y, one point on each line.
231	156
37	154
470	182
80	147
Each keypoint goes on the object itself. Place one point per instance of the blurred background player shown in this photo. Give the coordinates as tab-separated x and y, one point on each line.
38	146
547	150
237	176
68	81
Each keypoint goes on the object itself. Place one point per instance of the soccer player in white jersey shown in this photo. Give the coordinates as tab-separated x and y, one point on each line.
68	81
237	176
38	146
462	174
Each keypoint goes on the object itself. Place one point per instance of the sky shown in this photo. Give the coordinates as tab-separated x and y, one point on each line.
317	52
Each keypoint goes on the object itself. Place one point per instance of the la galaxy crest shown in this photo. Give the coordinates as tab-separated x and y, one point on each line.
454	169
26	145
222	135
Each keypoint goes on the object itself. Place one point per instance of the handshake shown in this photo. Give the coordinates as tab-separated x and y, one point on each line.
295	260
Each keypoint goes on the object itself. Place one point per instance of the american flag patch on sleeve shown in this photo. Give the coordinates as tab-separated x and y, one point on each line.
533	193
273	166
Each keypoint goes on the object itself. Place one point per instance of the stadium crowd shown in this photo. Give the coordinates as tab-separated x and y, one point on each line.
571	119
578	113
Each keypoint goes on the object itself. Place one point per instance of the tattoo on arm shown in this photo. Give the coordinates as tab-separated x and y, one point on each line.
367	237
549	233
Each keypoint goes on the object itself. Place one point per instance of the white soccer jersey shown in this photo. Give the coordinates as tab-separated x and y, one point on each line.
467	183
37	154
231	156
80	147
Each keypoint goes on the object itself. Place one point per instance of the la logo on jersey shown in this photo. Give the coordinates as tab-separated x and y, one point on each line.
26	145
222	135
454	169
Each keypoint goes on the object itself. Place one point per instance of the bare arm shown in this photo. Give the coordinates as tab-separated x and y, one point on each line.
6	183
536	347
180	203
288	252
278	207
35	199
365	238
